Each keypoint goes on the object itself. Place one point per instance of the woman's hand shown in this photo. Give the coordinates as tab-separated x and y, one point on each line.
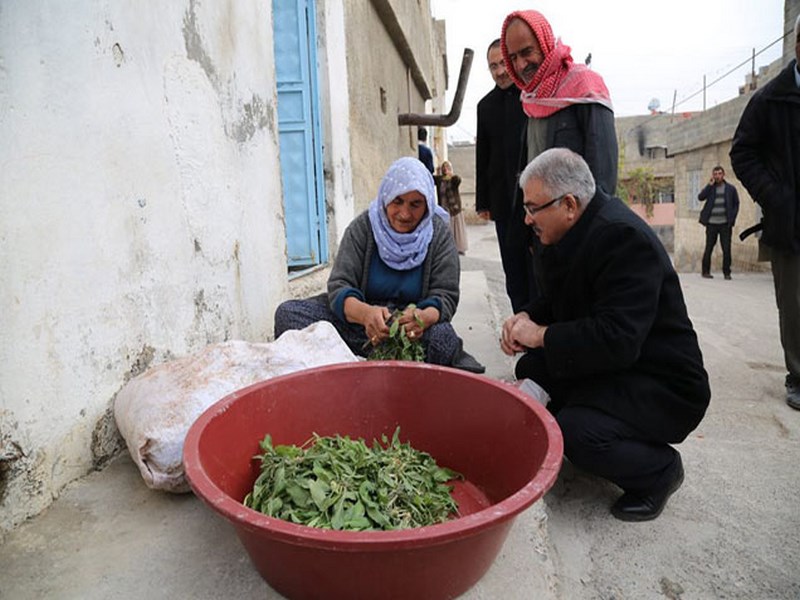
373	318
521	333
417	320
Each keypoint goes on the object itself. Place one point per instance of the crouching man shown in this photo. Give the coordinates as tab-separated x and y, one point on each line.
609	338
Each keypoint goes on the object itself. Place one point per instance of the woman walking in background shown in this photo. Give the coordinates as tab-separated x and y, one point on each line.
450	199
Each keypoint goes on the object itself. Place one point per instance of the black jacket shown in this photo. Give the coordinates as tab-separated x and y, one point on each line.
765	155
587	129
731	203
501	125
619	338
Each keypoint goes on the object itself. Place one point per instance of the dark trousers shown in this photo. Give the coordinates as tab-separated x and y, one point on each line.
724	233
440	340
610	448
512	237
786	275
597	442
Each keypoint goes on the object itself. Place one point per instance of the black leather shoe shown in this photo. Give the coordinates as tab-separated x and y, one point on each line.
467	362
708	276
728	277
647	506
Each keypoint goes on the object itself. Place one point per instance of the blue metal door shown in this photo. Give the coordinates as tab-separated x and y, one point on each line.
299	131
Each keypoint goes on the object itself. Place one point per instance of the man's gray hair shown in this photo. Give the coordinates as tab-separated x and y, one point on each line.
561	172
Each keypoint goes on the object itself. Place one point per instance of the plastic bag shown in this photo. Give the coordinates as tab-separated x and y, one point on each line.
155	410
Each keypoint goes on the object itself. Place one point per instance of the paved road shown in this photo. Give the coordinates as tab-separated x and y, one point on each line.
731	531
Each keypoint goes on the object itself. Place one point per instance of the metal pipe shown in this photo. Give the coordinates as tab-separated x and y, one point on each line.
455	110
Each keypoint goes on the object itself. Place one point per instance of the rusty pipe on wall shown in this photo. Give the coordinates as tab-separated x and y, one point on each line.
455	110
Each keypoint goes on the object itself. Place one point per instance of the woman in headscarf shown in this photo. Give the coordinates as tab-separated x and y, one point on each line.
447	185
398	252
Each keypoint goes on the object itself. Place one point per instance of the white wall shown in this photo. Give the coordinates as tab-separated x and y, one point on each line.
140	212
335	108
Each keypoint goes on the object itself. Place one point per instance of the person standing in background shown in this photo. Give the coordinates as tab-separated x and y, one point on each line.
568	104
719	217
501	123
424	153
447	185
765	155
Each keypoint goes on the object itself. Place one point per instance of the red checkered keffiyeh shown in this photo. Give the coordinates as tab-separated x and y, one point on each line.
558	82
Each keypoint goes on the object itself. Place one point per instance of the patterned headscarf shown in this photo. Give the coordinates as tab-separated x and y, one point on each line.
558	82
403	251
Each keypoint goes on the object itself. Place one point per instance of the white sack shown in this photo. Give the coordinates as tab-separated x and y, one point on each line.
155	410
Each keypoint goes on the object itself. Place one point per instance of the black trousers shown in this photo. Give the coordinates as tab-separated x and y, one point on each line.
610	448
597	442
722	231
514	238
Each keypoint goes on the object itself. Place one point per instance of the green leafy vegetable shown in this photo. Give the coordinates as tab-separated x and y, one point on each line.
398	346
343	484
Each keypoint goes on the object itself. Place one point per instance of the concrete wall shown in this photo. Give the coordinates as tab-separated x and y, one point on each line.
141	214
462	157
642	142
791	9
393	68
699	144
335	115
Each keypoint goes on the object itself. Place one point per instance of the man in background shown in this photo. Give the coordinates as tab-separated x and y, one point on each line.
424	153
765	155
719	217
501	123
568	104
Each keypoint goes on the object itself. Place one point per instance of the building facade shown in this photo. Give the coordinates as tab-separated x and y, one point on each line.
171	173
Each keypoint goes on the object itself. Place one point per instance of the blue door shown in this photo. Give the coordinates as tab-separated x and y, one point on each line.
299	132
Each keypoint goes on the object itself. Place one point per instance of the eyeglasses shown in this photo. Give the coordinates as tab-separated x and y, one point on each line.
531	210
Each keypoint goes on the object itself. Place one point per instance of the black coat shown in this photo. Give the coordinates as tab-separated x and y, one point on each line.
619	338
588	130
731	203
501	125
765	155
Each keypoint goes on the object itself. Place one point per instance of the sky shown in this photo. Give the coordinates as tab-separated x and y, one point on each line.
643	50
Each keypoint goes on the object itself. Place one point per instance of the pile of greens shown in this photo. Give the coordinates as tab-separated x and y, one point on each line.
343	484
398	346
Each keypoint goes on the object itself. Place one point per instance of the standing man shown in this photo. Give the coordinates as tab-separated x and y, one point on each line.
568	104
501	123
609	338
766	158
424	153
719	217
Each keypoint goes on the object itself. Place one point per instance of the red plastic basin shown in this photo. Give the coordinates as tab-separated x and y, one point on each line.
508	447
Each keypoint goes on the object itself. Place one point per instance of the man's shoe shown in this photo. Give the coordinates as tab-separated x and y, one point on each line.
467	362
793	395
647	506
708	276
728	276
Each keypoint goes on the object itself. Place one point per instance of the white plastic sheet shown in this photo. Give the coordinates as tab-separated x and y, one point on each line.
155	410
